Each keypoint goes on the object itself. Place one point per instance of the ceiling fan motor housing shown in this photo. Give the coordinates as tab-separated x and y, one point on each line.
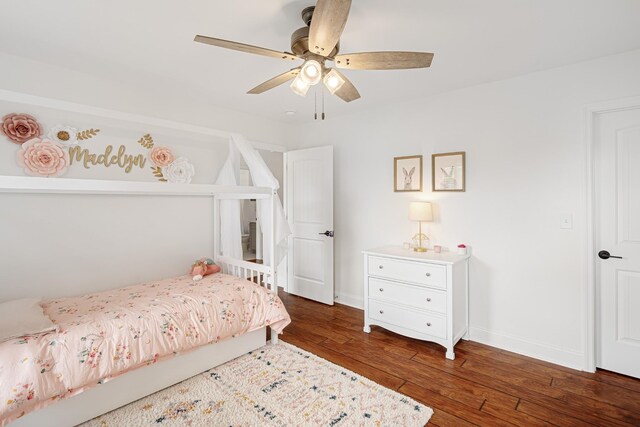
300	37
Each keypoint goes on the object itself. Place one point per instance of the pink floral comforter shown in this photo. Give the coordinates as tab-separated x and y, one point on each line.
106	334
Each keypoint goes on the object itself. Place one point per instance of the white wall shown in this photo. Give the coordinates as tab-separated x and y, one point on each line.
24	75
56	245
525	167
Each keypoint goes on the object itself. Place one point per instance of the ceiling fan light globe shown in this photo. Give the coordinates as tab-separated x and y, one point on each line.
299	86
333	82
311	72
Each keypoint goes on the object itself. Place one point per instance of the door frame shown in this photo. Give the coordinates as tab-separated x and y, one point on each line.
591	331
285	203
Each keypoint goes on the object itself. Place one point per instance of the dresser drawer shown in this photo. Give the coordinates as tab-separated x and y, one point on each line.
431	324
415	296
415	272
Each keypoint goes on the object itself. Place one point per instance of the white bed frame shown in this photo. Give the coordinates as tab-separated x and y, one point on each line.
150	379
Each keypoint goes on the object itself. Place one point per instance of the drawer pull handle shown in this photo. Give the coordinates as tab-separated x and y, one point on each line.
381	289
380	267
428	323
381	312
428	299
428	274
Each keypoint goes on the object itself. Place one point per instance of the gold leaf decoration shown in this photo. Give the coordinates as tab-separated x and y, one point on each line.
87	134
146	141
157	172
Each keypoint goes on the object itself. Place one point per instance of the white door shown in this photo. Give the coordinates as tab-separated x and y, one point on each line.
617	184
309	199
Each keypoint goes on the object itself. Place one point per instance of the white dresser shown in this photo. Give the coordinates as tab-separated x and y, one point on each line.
419	295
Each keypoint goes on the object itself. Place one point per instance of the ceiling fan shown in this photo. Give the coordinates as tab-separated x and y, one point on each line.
318	43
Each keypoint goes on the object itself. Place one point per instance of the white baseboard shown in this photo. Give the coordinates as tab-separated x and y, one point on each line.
557	355
350	300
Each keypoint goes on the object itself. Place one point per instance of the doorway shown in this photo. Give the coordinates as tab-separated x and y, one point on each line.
615	238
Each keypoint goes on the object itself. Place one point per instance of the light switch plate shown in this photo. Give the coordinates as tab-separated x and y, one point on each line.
566	221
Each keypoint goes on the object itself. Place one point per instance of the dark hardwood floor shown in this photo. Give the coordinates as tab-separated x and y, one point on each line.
484	386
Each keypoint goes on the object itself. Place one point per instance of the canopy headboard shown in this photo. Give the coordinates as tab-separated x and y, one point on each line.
101	245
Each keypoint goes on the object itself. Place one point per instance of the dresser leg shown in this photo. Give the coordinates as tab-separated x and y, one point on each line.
450	354
367	328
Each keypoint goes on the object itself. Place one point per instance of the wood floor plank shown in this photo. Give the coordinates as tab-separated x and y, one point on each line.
546	368
608	393
297	329
513	416
441	418
323	331
483	386
588	410
581	396
429	397
542	412
458	389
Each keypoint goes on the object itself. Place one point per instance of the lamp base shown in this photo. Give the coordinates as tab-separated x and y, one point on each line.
420	249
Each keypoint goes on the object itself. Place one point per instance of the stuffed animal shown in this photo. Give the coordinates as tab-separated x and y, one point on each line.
203	267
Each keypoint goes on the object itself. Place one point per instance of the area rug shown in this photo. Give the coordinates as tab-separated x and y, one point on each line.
277	385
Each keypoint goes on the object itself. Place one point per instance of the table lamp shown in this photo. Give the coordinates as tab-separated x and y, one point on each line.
420	211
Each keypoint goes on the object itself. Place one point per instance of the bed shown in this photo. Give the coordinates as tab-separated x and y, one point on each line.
117	346
104	335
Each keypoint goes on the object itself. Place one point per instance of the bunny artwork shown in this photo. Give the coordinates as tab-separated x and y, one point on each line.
408	177
448	181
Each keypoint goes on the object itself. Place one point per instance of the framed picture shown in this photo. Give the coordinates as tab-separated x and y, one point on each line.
447	171
407	173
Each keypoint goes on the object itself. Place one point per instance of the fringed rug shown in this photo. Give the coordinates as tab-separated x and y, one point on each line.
279	385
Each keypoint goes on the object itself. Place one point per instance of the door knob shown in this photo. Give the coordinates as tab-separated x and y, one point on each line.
607	255
327	233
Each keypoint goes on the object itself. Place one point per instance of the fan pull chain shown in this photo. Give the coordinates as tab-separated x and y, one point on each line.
315	105
322	88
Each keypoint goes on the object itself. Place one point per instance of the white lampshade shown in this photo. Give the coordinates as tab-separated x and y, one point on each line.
299	87
333	81
311	72
420	211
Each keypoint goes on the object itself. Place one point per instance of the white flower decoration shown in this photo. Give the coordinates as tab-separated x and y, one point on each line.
64	135
180	171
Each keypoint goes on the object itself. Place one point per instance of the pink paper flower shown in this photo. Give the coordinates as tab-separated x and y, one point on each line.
20	128
161	156
41	157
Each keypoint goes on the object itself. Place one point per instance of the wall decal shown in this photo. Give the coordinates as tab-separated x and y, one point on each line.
43	157
87	134
157	172
120	159
146	141
20	127
180	171
62	147
64	135
167	168
161	156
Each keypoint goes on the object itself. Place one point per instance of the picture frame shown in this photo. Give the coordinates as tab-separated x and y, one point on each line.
448	171
407	174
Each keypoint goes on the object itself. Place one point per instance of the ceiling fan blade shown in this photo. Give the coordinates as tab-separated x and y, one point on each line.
327	23
348	91
245	48
276	81
383	60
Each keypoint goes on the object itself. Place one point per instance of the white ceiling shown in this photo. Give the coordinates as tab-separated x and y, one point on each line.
149	43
